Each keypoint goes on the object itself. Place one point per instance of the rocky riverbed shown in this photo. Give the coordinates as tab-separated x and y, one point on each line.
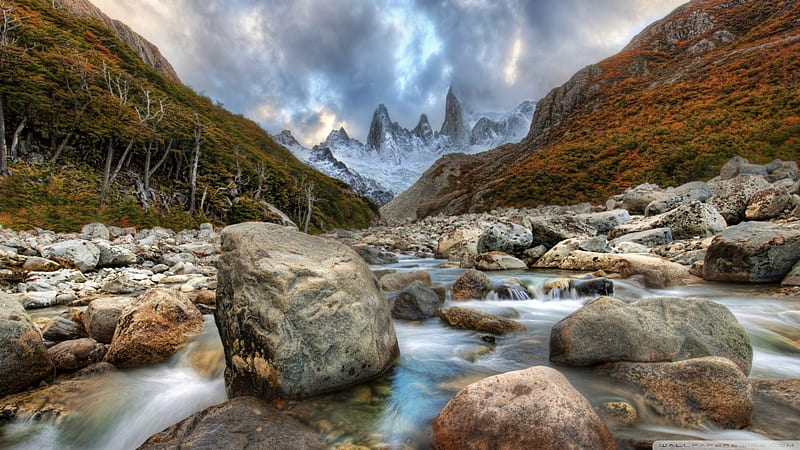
302	316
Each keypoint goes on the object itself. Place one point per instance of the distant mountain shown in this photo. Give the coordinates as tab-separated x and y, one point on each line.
395	157
713	79
321	158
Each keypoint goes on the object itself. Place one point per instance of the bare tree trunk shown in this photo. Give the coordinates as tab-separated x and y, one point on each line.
3	150
15	140
308	190
198	141
106	170
61	147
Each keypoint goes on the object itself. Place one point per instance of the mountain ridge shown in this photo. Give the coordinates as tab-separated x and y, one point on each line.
711	80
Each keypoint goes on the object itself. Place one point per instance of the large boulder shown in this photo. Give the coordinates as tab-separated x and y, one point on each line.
532	408
298	315
753	252
416	301
399	280
556	255
95	231
650	330
740	166
83	255
732	196
686	221
61	328
114	255
476	320
689	393
153	327
454	243
471	285
550	230
23	359
101	317
505	237
648	238
374	255
654	272
243	423
674	197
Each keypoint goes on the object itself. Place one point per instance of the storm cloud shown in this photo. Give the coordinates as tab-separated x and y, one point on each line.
314	65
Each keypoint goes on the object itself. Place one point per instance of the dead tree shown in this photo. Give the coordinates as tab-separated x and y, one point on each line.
79	106
261	174
310	198
199	133
8	40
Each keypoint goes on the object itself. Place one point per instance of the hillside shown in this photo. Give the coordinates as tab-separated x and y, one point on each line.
714	79
93	133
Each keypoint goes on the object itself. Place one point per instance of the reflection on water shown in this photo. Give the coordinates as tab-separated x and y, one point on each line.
435	362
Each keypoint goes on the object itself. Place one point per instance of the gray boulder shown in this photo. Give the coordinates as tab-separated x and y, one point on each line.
243	423
767	204
635	199
95	231
399	280
62	328
505	237
83	255
23	359
648	238
686	221
536	408
606	220
113	255
740	166
374	255
498	261
550	230
416	301
732	196
753	252
793	278
298	315
674	197
650	330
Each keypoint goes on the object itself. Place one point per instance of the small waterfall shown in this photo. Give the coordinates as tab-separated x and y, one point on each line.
508	289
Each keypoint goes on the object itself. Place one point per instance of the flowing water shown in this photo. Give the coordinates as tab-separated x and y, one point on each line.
397	410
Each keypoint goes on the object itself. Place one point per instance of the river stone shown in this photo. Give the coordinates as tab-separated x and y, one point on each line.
556	255
686	221
505	237
753	252
471	285
375	256
550	230
533	408
475	320
455	242
298	315
498	261
62	328
648	238
675	197
83	255
793	278
95	231
690	393
606	220
101	316
767	204
242	423
416	301
597	244
23	359
731	197
153	327
113	255
399	280
650	330
510	289
636	199
655	272
69	356
38	264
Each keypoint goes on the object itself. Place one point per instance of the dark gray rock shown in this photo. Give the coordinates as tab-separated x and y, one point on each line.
649	238
753	252
101	316
767	204
550	230
597	244
510	289
242	423
417	301
298	315
636	199
650	330
62	328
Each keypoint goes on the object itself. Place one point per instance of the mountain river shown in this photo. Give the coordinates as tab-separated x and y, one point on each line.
127	406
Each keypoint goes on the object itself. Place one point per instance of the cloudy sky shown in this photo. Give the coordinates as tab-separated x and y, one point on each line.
314	65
